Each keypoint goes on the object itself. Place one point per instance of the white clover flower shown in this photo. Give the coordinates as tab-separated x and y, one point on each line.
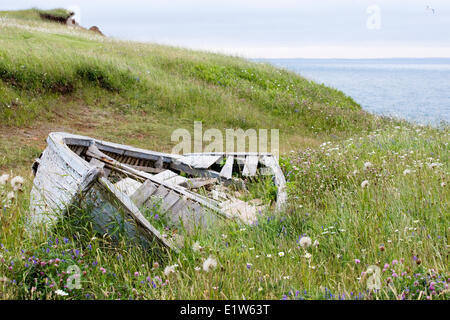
170	269
443	184
196	246
367	165
3	179
305	242
209	263
17	183
60	292
365	183
281	254
406	171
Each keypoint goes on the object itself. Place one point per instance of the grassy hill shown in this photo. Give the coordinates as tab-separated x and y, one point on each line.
53	77
146	90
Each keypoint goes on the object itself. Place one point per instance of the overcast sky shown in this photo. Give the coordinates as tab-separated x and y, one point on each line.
273	29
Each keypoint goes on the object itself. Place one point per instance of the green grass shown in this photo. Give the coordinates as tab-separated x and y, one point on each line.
138	93
36	14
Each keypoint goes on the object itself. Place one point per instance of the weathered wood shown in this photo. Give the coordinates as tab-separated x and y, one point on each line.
195	183
169	200
280	180
177	200
141	195
201	161
250	166
164	175
128	186
177	180
96	163
227	169
147	169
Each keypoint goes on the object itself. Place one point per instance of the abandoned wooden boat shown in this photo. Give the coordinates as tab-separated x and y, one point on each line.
124	186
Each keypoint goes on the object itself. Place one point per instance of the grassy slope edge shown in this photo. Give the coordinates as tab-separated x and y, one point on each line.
57	78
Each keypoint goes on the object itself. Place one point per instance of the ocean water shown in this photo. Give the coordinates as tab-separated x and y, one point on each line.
417	90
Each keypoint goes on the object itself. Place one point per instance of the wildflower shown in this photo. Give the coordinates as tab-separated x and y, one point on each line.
357	261
60	292
406	171
394	262
443	184
17	183
155	265
170	269
365	183
249	265
281	254
269	256
305	242
103	270
136	274
196	246
382	248
209	263
10	196
197	268
308	255
3	179
367	165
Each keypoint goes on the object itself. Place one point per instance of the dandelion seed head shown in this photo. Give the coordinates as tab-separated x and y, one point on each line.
364	184
4	179
17	183
170	269
305	242
196	247
209	264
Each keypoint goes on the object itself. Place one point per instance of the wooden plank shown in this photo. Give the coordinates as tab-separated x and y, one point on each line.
147	169
227	169
96	163
177	180
196	183
250	166
200	161
128	186
165	175
144	192
161	192
169	200
280	180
